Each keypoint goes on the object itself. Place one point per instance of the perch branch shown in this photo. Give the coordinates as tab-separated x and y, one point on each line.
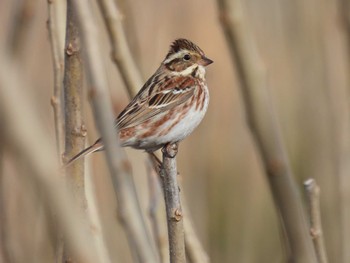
264	127
121	54
173	205
129	209
57	60
313	196
194	249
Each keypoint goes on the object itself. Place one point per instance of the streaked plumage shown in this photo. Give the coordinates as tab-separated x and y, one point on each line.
169	106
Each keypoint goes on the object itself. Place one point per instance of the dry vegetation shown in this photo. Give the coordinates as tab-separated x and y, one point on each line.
230	168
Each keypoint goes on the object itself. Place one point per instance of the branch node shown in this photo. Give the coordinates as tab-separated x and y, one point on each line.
170	150
313	198
80	131
177	214
72	47
315	233
83	130
54	101
64	158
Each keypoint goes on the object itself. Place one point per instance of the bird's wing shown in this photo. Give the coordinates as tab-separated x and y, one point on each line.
147	104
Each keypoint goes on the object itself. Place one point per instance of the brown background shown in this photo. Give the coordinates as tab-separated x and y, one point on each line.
304	47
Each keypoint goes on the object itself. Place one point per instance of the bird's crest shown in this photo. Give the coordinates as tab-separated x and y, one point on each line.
183	44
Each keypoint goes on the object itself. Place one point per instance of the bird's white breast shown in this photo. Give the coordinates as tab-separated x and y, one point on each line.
189	122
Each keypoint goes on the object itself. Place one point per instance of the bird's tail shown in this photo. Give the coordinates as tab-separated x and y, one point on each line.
97	146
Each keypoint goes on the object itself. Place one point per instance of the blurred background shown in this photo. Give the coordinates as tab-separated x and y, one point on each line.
304	46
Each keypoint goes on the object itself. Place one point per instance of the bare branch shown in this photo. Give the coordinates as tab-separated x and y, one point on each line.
129	209
343	159
265	130
75	132
26	135
313	195
194	249
345	12
121	54
5	254
173	205
57	59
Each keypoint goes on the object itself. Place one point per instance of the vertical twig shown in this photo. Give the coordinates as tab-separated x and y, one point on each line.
128	205
121	54
56	99
194	249
173	205
5	254
75	131
265	130
313	196
57	59
344	8
26	135
344	182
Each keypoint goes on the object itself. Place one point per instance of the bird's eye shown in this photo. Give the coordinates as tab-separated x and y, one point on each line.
187	57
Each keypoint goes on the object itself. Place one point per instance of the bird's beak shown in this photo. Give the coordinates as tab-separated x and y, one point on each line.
205	61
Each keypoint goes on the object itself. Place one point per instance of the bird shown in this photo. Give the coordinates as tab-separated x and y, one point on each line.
168	107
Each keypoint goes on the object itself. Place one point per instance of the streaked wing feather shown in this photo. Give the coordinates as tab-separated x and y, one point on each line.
169	95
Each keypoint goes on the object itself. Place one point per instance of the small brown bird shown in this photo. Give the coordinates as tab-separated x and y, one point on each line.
169	106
